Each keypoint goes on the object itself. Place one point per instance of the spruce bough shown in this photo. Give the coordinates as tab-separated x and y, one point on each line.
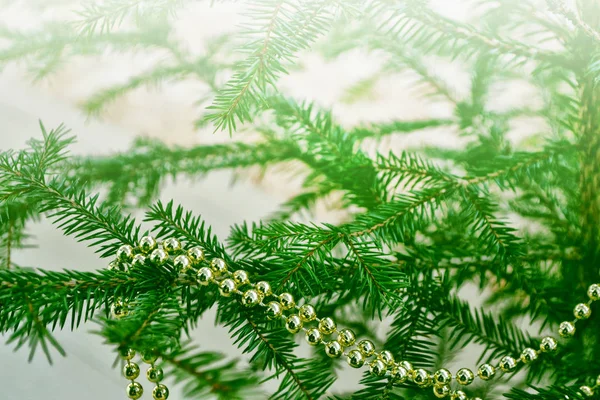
421	224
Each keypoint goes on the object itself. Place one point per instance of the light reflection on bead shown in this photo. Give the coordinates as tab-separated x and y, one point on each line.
134	390
154	374
442	376
226	287
147	244
582	311
171	245
508	364
293	323
548	344
464	376
149	356
407	366
273	310
440	391
387	357
287	301
313	336
119	309
158	257
138	261
117	266
204	276
377	368
594	292
131	371
264	288
355	359
250	298
307	313
182	263
127	354
160	392
327	326
366	347
334	349
598	381
458	395
528	355
586	391
566	329
218	266
486	372
347	338
421	377
399	374
240	277
196	255
125	253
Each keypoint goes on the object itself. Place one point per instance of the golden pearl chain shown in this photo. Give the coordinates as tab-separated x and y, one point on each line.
324	331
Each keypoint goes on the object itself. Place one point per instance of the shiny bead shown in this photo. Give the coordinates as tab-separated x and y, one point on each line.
250	298
464	376
125	253
226	287
598	381
347	338
138	261
154	374
182	263
566	329
421	377
399	374
218	266
158	257
407	366
307	313
160	392
377	368
204	276
440	391
171	245
594	292
127	354
313	336
528	355
458	395
131	371
147	244
240	277
273	310
486	372
134	390
119	309
508	364
327	326
334	349
586	391
442	377
196	255
263	288
582	311
287	301
366	347
293	323
356	359
548	344
149	356
117	266
386	356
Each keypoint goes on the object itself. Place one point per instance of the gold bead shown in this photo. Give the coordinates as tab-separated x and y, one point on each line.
366	347
149	356
196	255
346	338
355	359
127	354
486	372
171	245
119	309
226	287
182	263
125	253
138	261
387	357
204	276
154	374
464	376
158	257
440	391
241	277
327	326
407	366
307	313
377	368
218	266
508	364
134	390
548	344
250	298
582	311
399	374
594	292
287	301
273	310
160	392
117	266
529	355
586	391
334	349
264	288
442	377
313	336
566	329
421	377
147	244
131	371
458	395
293	323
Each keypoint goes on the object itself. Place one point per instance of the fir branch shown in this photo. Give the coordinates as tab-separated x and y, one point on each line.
379	130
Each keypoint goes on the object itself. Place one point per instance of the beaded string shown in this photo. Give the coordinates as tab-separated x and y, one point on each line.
321	331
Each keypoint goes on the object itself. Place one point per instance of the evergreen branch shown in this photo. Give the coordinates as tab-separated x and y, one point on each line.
378	130
560	8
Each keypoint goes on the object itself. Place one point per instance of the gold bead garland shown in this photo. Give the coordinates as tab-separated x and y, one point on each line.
318	329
